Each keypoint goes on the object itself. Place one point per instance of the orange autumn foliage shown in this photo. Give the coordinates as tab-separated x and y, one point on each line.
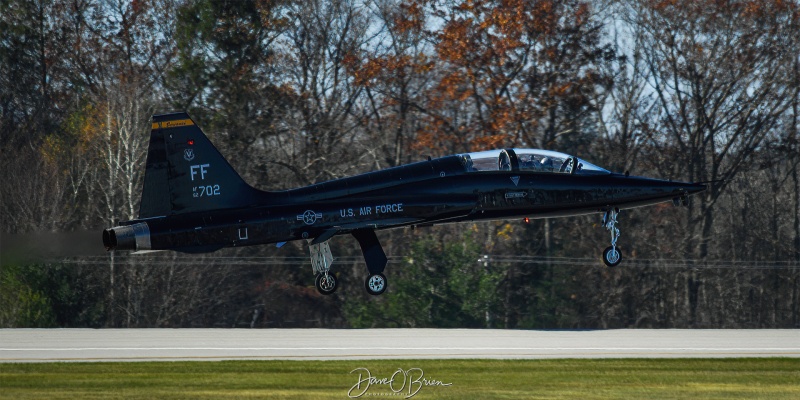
489	51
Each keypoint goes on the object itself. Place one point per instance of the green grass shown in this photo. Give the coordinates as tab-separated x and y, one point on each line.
773	378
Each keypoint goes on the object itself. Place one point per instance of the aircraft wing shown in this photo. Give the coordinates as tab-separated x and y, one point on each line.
384	223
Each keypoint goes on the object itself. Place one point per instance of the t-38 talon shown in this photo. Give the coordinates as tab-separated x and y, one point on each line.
193	201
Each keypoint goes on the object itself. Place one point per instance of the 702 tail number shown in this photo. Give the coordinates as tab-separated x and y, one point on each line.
205	191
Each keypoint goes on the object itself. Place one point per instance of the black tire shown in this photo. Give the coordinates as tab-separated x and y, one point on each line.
612	257
375	284
327	285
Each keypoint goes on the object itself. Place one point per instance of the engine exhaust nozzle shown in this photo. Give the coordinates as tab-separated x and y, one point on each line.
130	237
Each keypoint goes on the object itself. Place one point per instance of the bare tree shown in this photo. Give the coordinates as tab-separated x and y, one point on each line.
719	72
625	106
119	58
320	37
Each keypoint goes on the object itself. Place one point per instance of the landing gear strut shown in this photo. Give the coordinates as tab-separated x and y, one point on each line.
321	260
611	255
375	258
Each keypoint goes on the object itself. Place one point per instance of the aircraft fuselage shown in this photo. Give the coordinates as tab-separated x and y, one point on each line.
424	193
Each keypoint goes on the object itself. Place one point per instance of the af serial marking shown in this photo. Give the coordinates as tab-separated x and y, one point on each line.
205	191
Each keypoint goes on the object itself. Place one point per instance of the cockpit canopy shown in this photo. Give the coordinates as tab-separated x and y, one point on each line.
532	160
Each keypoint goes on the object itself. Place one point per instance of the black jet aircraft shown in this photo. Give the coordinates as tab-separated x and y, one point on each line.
193	201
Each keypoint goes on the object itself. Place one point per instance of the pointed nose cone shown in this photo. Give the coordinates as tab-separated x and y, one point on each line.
669	186
690	188
639	191
685	189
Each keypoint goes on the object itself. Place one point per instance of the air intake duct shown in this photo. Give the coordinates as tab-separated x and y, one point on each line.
131	237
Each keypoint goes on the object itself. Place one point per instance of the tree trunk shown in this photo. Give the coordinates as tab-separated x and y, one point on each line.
111	304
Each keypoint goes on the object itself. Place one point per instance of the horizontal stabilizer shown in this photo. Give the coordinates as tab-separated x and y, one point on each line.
140	252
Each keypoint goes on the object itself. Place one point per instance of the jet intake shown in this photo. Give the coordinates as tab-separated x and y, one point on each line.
130	237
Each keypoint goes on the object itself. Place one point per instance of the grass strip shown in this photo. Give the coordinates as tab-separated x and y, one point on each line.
773	378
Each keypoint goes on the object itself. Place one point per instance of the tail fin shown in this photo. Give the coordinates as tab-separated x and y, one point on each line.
186	173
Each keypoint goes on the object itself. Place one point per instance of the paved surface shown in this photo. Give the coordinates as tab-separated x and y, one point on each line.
36	345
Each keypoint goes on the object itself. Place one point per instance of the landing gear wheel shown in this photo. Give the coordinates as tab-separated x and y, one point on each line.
612	256
325	283
375	284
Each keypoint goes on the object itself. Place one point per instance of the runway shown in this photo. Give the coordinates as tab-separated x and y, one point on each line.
45	345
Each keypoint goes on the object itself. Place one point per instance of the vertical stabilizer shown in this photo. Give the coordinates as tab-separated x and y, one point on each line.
186	173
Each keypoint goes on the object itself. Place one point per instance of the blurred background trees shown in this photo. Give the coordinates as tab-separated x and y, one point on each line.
295	92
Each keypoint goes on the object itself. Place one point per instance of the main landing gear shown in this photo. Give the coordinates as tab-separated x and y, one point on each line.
611	255
321	260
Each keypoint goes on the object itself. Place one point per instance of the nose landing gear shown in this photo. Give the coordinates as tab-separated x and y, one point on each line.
611	255
681	201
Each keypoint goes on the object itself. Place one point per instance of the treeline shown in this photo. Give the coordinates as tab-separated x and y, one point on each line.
298	92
